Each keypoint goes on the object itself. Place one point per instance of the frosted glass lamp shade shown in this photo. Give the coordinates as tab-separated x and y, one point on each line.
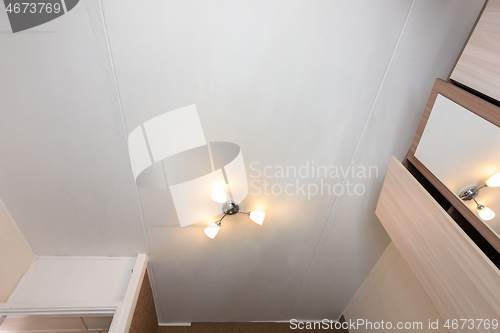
485	213
218	195
212	230
257	217
493	181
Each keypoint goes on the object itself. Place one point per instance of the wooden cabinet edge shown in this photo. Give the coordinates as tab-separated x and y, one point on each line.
460	280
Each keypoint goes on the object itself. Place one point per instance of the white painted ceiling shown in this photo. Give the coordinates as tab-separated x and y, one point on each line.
334	82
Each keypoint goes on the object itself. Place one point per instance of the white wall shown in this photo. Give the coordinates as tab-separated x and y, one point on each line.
74	279
65	174
353	240
392	293
15	255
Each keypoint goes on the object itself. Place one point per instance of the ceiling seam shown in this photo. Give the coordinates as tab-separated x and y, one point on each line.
143	223
113	72
367	121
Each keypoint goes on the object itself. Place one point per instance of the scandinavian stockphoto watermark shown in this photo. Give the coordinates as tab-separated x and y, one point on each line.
383	326
309	179
363	324
26	14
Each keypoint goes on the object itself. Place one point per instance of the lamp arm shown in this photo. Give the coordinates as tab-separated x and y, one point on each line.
219	222
471	192
479	206
482	187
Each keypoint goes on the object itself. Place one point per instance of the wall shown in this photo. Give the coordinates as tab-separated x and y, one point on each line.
74	279
144	318
15	254
429	44
392	293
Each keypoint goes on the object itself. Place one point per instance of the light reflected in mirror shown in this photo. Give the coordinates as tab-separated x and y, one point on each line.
462	150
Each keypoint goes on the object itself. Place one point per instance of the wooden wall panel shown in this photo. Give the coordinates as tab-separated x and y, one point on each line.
460	280
144	318
479	65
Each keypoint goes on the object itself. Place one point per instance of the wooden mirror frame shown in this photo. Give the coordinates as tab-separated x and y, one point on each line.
477	106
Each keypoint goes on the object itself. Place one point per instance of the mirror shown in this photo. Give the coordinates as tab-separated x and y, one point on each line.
462	150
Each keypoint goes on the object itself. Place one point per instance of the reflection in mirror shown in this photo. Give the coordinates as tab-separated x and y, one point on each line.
463	151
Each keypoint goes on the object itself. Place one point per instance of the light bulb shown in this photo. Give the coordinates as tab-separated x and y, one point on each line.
485	213
493	181
218	195
212	230
257	217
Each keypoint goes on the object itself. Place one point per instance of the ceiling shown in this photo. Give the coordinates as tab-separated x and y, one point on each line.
334	83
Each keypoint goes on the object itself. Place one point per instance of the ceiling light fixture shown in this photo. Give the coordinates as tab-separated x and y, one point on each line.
484	212
219	195
230	208
162	147
471	193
